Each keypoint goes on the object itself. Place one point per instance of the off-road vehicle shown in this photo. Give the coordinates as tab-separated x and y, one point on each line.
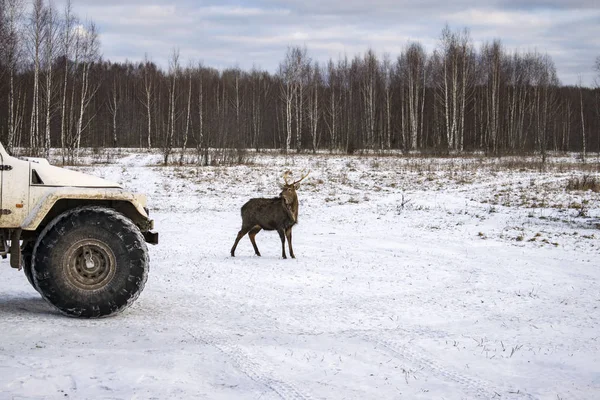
81	240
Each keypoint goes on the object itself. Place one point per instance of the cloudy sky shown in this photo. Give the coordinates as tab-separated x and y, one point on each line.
256	32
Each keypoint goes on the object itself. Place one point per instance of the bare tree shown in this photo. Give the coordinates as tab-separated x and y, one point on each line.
52	29
11	12
414	77
597	97
388	77
583	146
287	72
187	115
293	73
454	84
544	106
333	104
349	77
114	102
236	103
260	93
517	100
467	62
147	98
36	32
201	143
66	40
492	56
174	71
368	89
314	111
302	63
89	47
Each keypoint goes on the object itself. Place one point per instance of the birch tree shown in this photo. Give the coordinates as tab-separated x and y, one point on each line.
114	103
200	140
467	63
333	104
517	98
583	138
36	35
368	89
50	50
454	85
260	90
302	64
66	42
413	75
597	99
11	13
89	48
293	75
387	74
448	85
349	77
288	74
187	115
544	100
236	103
492	55
174	71
147	97
314	110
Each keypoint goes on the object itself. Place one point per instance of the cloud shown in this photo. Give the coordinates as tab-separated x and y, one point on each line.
237	11
257	32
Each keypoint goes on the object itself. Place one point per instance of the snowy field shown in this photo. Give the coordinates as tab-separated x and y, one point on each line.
414	279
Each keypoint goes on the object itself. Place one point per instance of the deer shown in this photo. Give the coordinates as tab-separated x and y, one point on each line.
271	214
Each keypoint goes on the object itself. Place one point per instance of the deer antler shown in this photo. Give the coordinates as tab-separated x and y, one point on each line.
303	176
286	174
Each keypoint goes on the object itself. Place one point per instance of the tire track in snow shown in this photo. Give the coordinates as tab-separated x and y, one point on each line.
475	386
256	372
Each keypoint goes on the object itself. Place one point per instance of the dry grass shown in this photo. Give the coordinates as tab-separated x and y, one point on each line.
584	183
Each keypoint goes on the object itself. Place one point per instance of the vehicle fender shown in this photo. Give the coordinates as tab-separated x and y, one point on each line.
46	199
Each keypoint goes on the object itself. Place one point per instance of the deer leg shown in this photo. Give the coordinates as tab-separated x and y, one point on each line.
252	235
282	237
240	235
288	233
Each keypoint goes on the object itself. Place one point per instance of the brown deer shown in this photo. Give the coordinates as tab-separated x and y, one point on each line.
275	214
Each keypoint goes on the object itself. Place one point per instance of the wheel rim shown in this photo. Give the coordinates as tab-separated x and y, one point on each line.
90	264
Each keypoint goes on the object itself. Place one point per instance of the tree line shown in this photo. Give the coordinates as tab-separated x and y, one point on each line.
57	91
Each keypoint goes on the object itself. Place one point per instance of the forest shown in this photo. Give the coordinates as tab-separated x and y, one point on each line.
57	91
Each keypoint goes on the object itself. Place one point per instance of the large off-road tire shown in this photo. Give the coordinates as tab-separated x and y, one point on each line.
90	262
26	256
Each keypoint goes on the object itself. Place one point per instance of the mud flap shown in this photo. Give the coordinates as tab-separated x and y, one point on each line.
15	249
150	237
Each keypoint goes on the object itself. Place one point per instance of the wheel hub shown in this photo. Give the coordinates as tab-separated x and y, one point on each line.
90	264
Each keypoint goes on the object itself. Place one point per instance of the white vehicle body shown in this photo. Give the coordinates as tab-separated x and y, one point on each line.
31	187
33	192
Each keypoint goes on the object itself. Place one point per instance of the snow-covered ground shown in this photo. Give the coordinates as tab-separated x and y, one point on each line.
414	279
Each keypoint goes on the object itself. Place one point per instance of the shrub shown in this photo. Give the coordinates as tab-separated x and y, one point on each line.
586	182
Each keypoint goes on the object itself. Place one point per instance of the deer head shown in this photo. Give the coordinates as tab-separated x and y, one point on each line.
288	192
